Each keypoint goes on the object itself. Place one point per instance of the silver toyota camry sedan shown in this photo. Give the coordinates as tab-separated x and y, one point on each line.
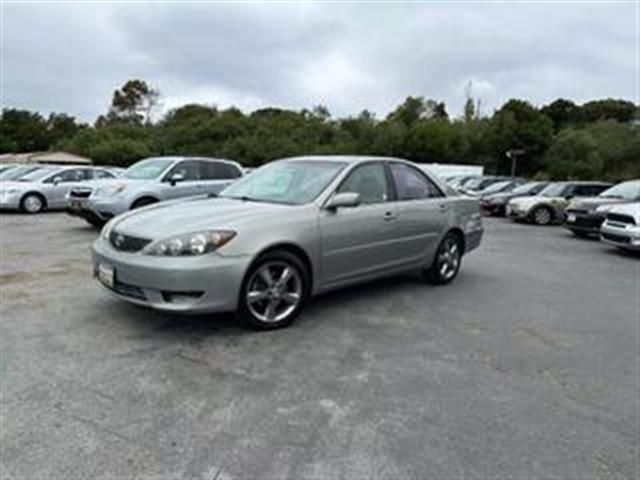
292	229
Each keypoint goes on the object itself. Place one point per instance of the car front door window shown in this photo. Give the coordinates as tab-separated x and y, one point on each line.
369	182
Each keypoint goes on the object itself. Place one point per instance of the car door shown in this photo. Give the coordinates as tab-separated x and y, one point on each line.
358	241
60	184
217	175
421	213
189	171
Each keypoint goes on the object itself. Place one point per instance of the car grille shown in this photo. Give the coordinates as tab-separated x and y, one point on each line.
84	193
620	218
577	211
129	291
127	243
616	238
587	222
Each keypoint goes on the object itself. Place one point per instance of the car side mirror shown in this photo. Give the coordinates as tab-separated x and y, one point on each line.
175	178
56	180
343	200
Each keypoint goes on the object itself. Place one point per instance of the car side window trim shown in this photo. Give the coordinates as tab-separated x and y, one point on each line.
433	185
360	165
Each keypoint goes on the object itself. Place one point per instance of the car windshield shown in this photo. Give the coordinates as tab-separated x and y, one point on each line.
17	172
496	187
553	190
530	187
35	175
148	169
626	191
293	182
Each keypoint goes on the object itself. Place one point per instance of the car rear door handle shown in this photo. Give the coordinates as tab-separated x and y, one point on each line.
443	207
389	216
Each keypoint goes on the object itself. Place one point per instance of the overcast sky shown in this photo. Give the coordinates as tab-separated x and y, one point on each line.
69	57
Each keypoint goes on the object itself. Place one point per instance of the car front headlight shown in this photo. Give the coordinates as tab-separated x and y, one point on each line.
110	190
197	243
604	208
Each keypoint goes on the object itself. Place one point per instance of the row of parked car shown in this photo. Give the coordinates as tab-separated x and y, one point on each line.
585	208
210	238
98	194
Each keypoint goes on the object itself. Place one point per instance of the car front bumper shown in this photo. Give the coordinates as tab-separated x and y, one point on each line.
107	207
189	284
516	212
583	222
10	201
624	237
493	208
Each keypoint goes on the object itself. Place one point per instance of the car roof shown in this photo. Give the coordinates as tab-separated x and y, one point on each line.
343	158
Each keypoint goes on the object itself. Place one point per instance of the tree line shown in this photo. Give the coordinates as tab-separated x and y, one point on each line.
599	139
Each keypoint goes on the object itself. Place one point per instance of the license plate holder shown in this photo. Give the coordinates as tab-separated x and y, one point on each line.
106	275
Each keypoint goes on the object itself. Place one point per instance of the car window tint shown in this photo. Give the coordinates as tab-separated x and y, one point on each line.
189	169
411	184
102	174
369	181
73	175
219	171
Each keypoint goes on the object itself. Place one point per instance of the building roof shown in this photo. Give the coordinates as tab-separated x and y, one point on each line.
61	158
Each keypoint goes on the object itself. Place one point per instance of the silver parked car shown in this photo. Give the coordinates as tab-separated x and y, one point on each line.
621	226
42	187
292	229
149	181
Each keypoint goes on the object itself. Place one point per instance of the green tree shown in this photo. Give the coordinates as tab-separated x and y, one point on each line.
134	102
561	112
519	125
22	131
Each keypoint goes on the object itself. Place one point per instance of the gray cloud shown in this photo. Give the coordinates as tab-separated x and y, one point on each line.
71	56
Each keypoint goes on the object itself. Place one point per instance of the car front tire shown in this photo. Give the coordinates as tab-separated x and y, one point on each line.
32	203
542	216
446	264
274	291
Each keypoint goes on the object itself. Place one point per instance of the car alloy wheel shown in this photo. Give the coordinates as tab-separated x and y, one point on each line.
542	216
32	203
447	261
275	291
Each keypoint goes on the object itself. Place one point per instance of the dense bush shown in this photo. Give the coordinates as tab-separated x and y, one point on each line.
600	139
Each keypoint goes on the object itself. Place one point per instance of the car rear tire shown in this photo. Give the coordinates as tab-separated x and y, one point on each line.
143	202
32	203
446	264
542	216
274	291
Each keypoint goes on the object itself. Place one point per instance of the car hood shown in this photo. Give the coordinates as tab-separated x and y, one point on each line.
594	202
632	209
13	185
192	215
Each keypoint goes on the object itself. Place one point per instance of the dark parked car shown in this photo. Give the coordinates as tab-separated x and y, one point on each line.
584	216
496	204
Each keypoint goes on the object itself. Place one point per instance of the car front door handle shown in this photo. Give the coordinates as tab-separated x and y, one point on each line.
389	216
443	207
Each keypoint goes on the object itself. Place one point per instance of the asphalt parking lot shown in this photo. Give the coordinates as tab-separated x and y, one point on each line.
527	365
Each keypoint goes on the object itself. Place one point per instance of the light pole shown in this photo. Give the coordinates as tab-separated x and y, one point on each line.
513	154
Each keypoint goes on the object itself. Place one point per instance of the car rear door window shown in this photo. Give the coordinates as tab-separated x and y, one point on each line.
100	174
188	169
219	171
411	184
369	181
